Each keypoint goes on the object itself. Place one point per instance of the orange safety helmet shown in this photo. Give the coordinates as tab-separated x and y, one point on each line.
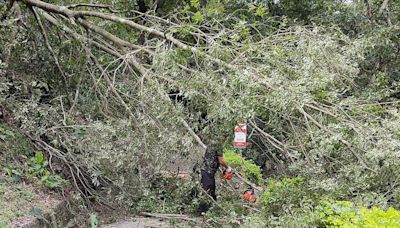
249	196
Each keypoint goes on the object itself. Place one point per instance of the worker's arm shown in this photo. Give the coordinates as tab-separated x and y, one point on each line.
224	164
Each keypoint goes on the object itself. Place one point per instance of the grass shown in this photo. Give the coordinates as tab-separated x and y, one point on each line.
16	197
16	200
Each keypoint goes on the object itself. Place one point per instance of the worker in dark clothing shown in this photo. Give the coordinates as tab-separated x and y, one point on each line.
213	158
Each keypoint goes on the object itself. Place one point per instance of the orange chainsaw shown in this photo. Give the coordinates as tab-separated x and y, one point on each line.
227	175
249	196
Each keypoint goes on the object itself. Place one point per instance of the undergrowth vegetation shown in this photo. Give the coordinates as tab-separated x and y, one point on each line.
24	177
20	162
114	96
244	166
345	214
16	200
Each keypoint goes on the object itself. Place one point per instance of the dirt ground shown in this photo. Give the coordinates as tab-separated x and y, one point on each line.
143	222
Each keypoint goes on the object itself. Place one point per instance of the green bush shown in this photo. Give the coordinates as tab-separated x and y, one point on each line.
345	214
290	194
36	169
246	167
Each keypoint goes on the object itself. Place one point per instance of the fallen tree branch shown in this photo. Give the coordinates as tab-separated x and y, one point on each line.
88	5
73	15
274	142
141	69
254	186
168	216
116	94
114	39
348	145
213	200
40	144
196	137
251	208
53	54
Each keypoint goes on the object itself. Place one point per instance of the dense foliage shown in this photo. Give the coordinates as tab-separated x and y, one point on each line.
343	214
318	81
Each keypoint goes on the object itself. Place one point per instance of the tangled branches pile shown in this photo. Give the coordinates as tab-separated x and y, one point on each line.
115	124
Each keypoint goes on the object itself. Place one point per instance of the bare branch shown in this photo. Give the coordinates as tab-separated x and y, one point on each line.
116	40
88	5
76	14
383	7
349	146
274	142
64	78
10	5
168	216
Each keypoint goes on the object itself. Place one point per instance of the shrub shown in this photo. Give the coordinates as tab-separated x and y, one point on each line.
36	168
246	167
345	214
288	195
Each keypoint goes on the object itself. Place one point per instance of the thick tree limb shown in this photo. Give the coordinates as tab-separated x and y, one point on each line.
116	40
254	186
251	208
168	216
76	14
88	5
196	137
383	7
77	36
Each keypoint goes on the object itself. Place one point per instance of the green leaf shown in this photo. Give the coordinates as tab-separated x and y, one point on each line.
39	158
94	222
80	132
195	3
197	17
36	212
247	167
260	11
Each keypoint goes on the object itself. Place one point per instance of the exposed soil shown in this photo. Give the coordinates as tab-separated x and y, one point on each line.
23	203
144	222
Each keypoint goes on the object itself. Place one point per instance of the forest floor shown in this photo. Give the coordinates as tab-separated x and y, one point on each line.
145	222
21	202
24	202
23	199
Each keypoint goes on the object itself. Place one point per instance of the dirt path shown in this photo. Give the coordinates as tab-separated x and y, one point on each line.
144	222
182	168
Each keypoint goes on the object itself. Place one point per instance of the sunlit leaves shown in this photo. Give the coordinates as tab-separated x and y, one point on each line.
197	17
